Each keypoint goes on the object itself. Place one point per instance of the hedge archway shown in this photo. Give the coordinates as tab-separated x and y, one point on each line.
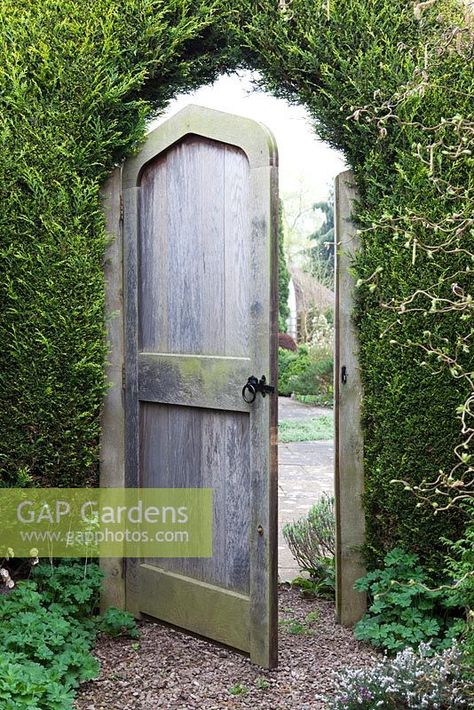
388	82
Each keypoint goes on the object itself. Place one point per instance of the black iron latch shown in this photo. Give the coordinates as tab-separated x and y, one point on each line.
254	385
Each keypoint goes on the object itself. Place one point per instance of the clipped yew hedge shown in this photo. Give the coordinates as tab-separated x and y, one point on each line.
78	81
377	76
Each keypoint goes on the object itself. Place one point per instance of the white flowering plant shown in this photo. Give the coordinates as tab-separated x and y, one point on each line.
411	679
7	575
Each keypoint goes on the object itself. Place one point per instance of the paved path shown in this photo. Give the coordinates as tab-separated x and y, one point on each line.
291	409
305	471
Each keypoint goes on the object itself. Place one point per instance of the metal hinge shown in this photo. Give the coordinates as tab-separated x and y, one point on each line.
121	210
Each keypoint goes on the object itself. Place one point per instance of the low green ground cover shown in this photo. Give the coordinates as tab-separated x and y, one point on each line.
48	626
312	429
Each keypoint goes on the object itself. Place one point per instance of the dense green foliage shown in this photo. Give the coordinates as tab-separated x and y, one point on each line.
79	79
47	631
388	85
308	371
403	609
291	365
48	627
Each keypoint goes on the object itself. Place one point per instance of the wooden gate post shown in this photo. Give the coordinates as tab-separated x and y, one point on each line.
112	451
349	467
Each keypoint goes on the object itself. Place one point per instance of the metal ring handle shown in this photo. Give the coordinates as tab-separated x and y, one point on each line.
252	390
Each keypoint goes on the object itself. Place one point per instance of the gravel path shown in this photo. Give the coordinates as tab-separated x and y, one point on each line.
169	669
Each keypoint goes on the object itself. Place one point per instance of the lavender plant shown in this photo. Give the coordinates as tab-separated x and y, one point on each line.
311	540
409	680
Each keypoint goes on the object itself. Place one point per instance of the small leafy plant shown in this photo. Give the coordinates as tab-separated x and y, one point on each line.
238	689
47	629
262	683
297	627
48	626
403	610
116	622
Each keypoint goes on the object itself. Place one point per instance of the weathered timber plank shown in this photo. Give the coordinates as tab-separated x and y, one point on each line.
263	545
112	452
349	458
210	611
200	381
130	268
238	253
154	272
255	139
188	447
203	310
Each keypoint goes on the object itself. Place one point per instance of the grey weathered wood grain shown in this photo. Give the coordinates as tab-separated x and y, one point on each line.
200	381
263	546
236	504
185	240
205	609
238	252
130	266
153	258
254	139
210	157
200	315
349	460
112	453
187	447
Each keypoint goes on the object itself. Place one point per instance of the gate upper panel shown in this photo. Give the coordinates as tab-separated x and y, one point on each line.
194	250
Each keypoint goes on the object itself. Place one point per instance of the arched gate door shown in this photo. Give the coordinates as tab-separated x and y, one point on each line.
200	306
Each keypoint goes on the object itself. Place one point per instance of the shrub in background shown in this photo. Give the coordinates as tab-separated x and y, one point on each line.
283	275
317	378
286	342
307	373
311	540
290	365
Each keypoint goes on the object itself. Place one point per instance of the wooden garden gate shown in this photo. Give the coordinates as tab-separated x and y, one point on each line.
191	295
199	207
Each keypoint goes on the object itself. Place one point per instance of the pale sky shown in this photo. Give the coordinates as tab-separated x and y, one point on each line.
306	163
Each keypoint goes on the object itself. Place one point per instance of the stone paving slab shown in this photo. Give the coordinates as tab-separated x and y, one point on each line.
291	409
306	471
